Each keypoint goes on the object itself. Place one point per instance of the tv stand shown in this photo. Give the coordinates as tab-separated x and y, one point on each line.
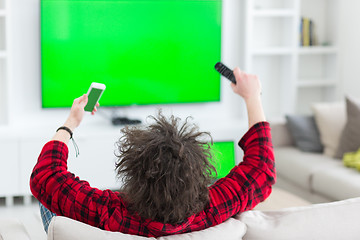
124	121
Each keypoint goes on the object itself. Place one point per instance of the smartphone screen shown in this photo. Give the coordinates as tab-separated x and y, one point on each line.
93	98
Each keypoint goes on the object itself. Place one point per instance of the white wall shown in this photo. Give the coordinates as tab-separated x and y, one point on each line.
24	100
25	89
349	35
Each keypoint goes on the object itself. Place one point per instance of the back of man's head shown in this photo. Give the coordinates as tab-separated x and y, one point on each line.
165	168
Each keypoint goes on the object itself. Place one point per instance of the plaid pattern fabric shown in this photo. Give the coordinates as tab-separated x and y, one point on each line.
242	189
46	216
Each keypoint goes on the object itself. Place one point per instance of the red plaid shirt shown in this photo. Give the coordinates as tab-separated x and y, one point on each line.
242	189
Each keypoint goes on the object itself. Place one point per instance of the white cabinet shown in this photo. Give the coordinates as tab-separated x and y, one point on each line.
21	146
292	76
9	170
30	148
96	162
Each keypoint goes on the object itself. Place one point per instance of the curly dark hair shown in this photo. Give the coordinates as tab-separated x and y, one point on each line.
165	168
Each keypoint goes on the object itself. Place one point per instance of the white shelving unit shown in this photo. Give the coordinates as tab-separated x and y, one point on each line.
3	61
293	77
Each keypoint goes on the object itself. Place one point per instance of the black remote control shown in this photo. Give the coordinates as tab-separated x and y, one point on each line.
225	71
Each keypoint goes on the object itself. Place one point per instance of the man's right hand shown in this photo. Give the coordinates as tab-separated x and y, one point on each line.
248	86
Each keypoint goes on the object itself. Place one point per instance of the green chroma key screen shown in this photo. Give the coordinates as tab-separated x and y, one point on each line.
144	51
224	153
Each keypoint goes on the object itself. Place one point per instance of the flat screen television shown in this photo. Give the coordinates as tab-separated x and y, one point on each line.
144	51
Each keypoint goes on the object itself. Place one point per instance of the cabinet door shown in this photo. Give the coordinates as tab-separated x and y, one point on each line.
9	167
96	162
30	149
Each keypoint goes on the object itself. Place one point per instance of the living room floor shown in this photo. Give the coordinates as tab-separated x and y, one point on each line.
29	215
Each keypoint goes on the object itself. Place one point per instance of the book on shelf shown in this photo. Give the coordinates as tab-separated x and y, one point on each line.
307	32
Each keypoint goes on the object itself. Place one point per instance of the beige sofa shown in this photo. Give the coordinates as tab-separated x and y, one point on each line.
330	221
312	176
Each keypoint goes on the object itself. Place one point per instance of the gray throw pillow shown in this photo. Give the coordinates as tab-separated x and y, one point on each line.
350	136
305	133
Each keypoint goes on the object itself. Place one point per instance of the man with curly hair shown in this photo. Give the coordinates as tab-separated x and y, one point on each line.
166	175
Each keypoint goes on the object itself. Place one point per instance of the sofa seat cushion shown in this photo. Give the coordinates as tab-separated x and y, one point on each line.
298	166
279	199
62	228
330	221
337	183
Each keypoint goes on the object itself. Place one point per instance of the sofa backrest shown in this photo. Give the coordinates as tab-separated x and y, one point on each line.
330	221
62	228
280	134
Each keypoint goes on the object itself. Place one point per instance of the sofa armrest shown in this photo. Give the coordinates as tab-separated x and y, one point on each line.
280	134
330	221
12	229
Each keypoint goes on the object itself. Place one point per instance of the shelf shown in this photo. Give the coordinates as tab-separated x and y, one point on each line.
274	13
317	50
316	83
292	76
273	4
272	51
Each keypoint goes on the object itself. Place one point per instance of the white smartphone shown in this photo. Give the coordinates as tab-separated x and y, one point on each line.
94	93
